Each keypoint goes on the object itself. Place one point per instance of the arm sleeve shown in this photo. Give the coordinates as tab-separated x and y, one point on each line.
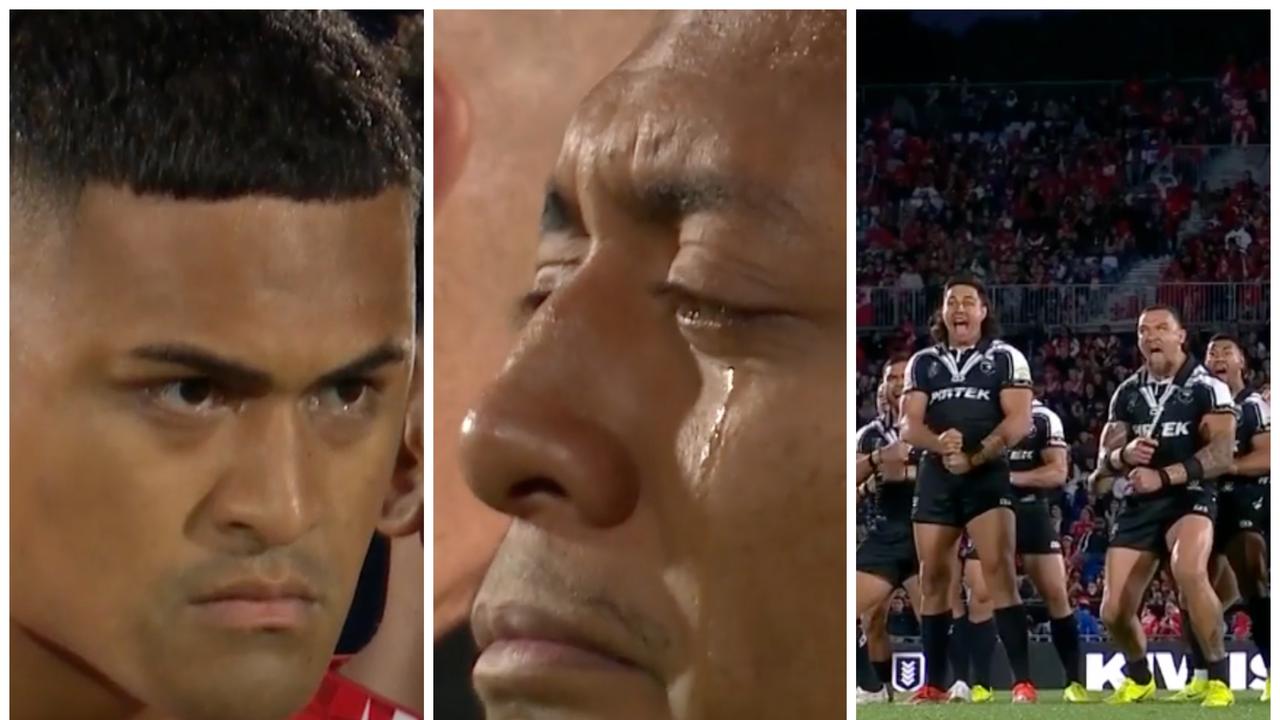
868	438
1017	372
1116	411
1053	434
916	378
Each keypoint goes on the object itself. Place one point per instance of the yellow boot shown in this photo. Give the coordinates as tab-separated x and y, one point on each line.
1131	692
1218	694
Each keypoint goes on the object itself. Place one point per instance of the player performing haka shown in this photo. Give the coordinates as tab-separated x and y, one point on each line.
967	400
887	558
1037	465
1169	433
1238	566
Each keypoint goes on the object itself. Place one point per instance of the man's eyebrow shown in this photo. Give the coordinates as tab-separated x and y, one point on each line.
672	197
237	373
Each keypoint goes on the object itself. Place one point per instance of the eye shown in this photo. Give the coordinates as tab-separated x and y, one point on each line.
195	395
698	312
345	396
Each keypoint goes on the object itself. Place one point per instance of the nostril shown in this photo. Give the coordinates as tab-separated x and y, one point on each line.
533	486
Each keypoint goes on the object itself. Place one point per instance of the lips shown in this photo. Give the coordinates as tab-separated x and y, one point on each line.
257	605
519	638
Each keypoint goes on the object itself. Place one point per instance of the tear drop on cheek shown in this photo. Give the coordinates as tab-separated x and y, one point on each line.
711	449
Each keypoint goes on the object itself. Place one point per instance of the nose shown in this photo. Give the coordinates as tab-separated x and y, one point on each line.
266	499
535	459
553	439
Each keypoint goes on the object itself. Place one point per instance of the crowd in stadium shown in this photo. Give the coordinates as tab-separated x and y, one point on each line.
1075	375
1058	184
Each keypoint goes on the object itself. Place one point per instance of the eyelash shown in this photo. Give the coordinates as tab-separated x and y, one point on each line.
690	308
220	395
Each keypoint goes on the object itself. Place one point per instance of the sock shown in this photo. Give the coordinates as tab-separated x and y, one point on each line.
1260	614
1200	674
958	649
982	645
1138	671
933	635
1066	640
867	678
883	671
1218	669
1012	623
1193	643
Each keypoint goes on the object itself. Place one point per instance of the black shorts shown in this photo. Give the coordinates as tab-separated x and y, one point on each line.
1035	534
1242	507
1143	522
889	551
946	499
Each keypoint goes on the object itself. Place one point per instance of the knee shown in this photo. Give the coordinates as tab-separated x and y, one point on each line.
1113	614
1189	575
935	578
875	623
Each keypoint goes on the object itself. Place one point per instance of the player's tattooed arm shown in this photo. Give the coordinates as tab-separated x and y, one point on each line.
1015	402
1218	430
1110	447
1256	462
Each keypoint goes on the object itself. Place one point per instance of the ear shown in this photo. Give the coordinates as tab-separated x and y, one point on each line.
452	120
402	512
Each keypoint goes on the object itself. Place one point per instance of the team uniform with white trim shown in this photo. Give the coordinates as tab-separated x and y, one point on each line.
1244	503
1170	412
889	550
1035	532
963	389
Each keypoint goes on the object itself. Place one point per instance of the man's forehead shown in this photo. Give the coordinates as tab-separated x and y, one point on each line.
745	42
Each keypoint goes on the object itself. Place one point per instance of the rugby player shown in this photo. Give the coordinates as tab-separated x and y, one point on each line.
1038	464
1170	432
1238	565
967	400
886	559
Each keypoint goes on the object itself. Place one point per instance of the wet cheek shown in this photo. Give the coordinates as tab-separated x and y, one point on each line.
772	542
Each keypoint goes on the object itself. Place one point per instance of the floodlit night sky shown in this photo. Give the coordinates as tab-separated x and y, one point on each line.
958	21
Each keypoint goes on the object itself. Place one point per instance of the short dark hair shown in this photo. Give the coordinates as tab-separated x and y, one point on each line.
1227	337
204	105
894	359
405	55
1166	308
990	324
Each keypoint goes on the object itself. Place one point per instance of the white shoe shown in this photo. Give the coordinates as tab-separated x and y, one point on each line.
959	692
871	698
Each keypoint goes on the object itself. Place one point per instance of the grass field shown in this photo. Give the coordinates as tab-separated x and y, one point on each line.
1052	707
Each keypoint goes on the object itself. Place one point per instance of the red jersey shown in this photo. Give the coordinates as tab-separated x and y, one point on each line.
341	698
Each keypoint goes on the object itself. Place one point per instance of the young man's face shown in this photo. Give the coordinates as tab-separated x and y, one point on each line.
197	464
669	432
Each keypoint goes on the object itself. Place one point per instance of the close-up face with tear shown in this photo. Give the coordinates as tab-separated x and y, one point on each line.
668	434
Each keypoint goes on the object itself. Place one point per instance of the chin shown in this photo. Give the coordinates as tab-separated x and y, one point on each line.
277	698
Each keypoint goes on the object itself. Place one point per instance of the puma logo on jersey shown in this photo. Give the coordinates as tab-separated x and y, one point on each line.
1167	429
959	393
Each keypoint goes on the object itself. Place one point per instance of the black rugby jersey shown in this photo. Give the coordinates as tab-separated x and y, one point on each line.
1253	418
1046	432
964	386
893	499
1193	393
